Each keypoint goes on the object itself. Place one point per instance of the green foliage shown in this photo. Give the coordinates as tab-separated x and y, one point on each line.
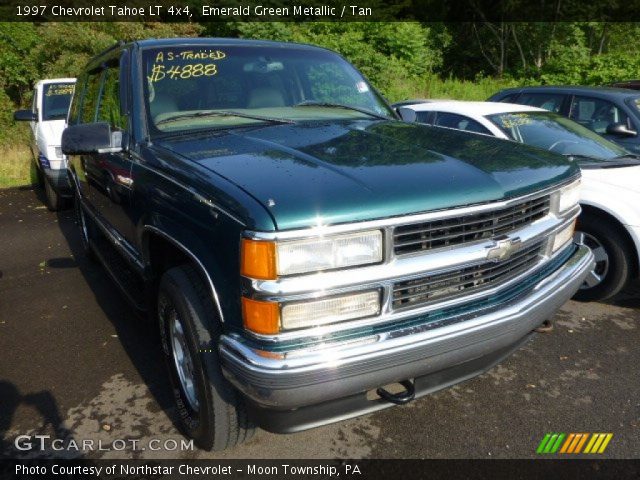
16	68
401	59
30	52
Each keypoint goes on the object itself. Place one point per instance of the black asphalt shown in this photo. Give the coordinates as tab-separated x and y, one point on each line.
76	361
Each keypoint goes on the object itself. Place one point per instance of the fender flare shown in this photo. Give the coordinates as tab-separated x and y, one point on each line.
214	293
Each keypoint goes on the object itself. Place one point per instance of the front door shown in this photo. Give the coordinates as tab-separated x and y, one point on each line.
105	178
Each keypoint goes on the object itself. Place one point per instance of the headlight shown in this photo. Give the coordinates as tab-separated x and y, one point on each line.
569	196
270	317
563	237
330	310
267	260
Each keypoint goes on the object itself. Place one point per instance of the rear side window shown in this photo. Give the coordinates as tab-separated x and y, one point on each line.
596	114
548	101
507	98
459	122
423	117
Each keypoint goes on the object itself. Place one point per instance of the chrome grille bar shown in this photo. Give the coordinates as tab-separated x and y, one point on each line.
414	238
448	285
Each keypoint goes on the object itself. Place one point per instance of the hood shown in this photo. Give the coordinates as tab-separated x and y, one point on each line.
626	177
347	171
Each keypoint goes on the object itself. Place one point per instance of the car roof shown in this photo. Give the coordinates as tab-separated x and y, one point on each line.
55	80
175	42
477	108
417	101
596	91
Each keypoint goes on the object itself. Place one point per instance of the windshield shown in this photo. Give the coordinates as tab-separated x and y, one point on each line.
557	134
196	87
56	98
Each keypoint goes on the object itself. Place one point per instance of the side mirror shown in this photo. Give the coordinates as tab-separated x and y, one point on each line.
407	114
90	138
620	130
25	116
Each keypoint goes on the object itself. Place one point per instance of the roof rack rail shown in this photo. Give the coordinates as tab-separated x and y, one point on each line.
118	44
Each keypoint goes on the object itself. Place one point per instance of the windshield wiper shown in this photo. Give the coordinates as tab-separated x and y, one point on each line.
587	162
626	156
222	113
585	157
313	103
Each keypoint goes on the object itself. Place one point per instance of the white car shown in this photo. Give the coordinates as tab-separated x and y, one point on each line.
48	118
610	196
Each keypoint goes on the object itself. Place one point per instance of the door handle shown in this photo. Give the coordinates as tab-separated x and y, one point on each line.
124	181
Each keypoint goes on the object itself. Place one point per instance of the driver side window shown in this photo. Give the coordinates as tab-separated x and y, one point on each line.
109	103
90	98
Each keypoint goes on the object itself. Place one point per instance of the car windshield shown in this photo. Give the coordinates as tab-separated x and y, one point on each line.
557	134
56	98
216	86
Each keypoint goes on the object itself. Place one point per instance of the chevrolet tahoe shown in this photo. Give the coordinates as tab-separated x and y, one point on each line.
307	256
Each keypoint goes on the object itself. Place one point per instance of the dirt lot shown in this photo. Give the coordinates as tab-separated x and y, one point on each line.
75	362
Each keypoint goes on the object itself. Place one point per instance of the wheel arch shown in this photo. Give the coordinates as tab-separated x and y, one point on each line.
616	222
152	239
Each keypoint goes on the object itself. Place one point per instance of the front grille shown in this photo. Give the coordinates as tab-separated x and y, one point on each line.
468	228
463	281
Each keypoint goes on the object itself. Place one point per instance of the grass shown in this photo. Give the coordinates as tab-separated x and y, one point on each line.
432	86
16	166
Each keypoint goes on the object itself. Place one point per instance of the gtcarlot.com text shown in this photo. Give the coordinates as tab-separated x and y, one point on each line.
43	443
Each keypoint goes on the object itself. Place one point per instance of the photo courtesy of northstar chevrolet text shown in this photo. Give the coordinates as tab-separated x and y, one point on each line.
297	239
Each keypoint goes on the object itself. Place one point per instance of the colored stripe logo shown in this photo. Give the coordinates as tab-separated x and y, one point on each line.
574	443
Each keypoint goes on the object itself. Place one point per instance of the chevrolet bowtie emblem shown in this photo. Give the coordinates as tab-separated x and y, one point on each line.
503	248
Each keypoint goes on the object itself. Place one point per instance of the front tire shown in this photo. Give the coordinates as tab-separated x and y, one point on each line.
53	199
209	410
612	253
39	175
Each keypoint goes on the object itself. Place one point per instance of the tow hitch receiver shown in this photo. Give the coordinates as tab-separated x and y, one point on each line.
399	398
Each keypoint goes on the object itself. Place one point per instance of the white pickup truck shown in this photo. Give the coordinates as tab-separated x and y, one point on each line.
48	118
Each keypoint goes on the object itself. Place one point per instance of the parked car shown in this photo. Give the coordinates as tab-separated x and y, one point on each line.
630	84
301	248
610	218
47	117
611	112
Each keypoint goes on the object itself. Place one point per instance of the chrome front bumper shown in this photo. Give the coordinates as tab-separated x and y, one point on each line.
299	378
